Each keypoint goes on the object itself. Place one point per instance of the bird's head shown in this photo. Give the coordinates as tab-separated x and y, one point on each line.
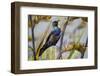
55	23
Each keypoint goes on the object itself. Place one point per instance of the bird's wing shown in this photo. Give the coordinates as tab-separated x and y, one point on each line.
49	37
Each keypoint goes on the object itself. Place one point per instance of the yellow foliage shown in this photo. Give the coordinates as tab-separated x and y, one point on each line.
74	46
49	54
38	18
29	38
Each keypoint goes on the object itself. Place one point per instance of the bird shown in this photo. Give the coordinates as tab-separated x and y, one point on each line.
52	38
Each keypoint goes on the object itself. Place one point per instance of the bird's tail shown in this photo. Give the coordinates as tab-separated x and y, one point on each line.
42	50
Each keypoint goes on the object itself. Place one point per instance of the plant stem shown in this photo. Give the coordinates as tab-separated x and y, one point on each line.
32	30
33	42
61	41
86	44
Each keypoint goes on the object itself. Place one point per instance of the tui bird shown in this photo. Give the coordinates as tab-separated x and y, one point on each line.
53	37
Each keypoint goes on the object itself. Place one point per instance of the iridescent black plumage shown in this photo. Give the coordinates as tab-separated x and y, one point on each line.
52	39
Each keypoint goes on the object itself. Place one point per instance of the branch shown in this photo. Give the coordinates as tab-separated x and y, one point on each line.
86	44
61	41
32	29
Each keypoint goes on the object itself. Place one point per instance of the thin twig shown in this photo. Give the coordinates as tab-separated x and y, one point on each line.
41	43
61	41
32	29
86	44
72	52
